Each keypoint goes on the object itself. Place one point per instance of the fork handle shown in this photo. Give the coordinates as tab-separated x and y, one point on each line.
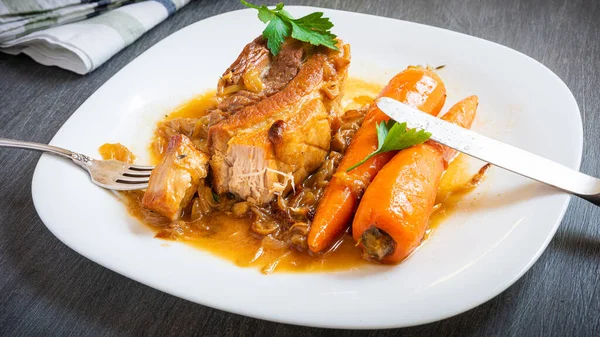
78	158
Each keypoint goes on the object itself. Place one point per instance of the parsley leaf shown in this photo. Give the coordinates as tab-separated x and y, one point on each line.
316	21
393	136
312	28
275	33
264	14
304	33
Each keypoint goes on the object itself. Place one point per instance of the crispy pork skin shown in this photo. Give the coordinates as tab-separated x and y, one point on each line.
272	126
175	180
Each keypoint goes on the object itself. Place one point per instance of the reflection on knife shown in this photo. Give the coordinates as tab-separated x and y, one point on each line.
495	152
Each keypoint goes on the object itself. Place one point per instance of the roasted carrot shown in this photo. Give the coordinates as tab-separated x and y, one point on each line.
394	212
416	86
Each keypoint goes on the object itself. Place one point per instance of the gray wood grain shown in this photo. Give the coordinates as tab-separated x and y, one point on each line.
46	289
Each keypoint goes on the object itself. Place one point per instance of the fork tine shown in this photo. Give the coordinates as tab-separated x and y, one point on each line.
131	180
127	187
141	168
136	174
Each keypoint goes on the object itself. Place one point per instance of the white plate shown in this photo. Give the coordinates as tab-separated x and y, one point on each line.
473	256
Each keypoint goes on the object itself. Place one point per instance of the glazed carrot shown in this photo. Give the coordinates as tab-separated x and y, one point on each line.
416	86
394	212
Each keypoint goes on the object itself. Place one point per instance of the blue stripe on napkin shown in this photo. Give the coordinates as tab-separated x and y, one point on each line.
169	5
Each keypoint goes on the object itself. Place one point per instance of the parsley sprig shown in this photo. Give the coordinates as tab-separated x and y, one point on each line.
313	28
394	136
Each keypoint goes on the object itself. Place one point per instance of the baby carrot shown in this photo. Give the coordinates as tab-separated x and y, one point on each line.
416	86
394	212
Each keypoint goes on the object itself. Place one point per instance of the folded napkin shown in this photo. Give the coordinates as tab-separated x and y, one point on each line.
77	35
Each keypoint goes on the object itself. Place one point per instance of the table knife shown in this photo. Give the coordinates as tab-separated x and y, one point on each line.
495	152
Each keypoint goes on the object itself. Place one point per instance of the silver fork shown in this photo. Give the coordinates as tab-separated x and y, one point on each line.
110	174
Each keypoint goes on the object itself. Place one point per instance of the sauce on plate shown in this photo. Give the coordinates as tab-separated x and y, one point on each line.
229	237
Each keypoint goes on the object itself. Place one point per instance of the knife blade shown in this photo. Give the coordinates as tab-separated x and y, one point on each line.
495	152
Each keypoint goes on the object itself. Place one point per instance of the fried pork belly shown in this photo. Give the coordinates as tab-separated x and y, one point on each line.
175	180
273	125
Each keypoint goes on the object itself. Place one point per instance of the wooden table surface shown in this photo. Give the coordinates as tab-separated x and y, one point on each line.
46	289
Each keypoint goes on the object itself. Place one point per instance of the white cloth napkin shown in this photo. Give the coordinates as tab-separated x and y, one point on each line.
80	46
